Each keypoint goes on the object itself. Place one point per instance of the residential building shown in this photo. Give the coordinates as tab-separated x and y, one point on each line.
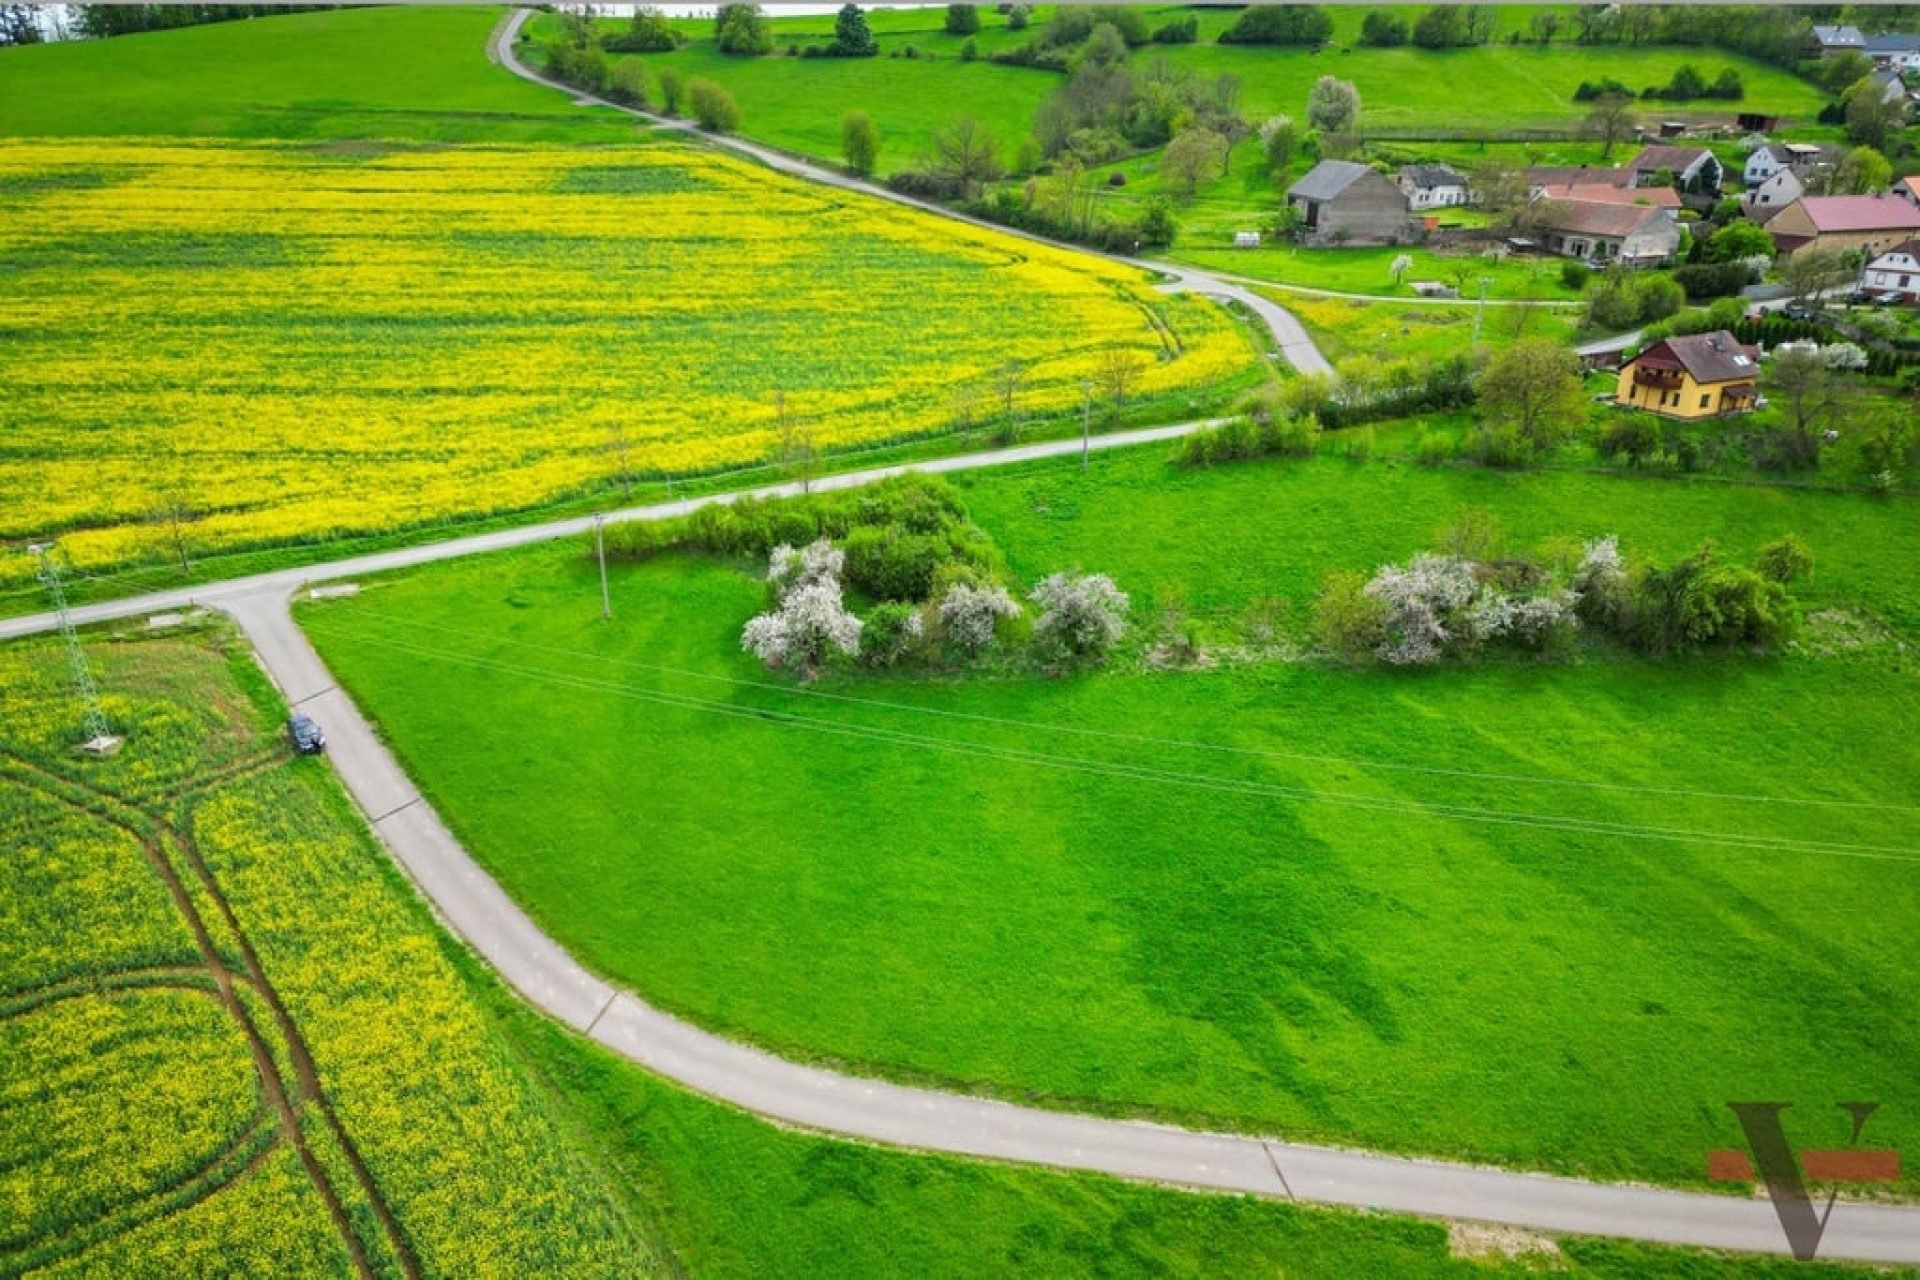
1542	178
1434	186
1340	202
1605	193
1633	235
1693	168
1766	161
1699	376
1773	195
1870	224
1831	42
1908	189
1892	50
1892	87
1895	271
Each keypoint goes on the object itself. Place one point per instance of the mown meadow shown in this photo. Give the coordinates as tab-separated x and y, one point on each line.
1549	915
400	72
219	346
143	1139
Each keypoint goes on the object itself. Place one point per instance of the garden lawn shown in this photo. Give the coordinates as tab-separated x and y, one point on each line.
1344	328
397	72
1221	896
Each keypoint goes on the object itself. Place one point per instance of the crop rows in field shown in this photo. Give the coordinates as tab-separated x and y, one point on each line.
233	1047
241	345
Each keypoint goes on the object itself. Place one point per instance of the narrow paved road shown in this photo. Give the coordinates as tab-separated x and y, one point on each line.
475	906
1290	337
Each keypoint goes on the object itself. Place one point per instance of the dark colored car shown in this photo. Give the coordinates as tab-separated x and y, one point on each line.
306	735
1801	311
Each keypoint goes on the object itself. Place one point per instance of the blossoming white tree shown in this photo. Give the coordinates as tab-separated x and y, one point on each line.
970	615
811	619
1082	615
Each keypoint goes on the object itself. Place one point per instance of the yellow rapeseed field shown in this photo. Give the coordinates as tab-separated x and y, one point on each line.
247	344
143	1137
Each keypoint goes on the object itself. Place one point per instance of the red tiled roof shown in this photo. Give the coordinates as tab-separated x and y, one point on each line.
1598	193
1861	213
1595	217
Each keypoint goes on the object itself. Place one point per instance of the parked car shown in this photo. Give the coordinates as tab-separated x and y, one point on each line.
1800	311
306	735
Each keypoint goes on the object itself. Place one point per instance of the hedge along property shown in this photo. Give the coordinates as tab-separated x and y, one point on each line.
259	344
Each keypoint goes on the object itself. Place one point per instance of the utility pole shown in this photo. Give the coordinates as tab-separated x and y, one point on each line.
1480	312
100	740
1086	422
600	551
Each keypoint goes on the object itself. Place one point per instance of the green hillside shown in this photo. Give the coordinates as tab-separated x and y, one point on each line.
359	73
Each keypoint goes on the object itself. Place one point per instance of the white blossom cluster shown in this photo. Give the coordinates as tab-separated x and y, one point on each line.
818	561
812	619
1843	355
969	615
1082	614
1439	601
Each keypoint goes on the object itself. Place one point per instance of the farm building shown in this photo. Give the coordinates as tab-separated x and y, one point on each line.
1895	271
1340	202
1693	168
1698	376
1434	186
1633	235
1871	224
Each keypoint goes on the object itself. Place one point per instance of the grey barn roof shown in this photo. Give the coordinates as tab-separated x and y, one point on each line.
1328	179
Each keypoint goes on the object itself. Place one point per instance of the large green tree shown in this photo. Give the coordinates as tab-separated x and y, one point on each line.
1532	389
742	30
852	37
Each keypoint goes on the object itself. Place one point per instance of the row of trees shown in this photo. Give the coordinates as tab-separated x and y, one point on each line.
1449	604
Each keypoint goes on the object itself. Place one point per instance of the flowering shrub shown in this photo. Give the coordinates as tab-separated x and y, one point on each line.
1080	615
970	616
819	561
1420	602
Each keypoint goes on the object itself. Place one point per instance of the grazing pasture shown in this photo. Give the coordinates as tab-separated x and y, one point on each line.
1528	913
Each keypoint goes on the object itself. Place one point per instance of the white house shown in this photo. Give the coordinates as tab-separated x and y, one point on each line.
1434	186
1892	87
1693	168
1895	271
1775	194
1766	161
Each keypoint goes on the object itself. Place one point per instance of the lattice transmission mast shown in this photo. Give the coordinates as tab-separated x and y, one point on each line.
100	739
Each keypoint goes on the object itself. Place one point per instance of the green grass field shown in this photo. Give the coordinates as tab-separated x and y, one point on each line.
799	103
500	1143
1277	960
404	73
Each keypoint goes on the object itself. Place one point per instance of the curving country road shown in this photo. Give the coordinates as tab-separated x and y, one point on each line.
479	910
1290	337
